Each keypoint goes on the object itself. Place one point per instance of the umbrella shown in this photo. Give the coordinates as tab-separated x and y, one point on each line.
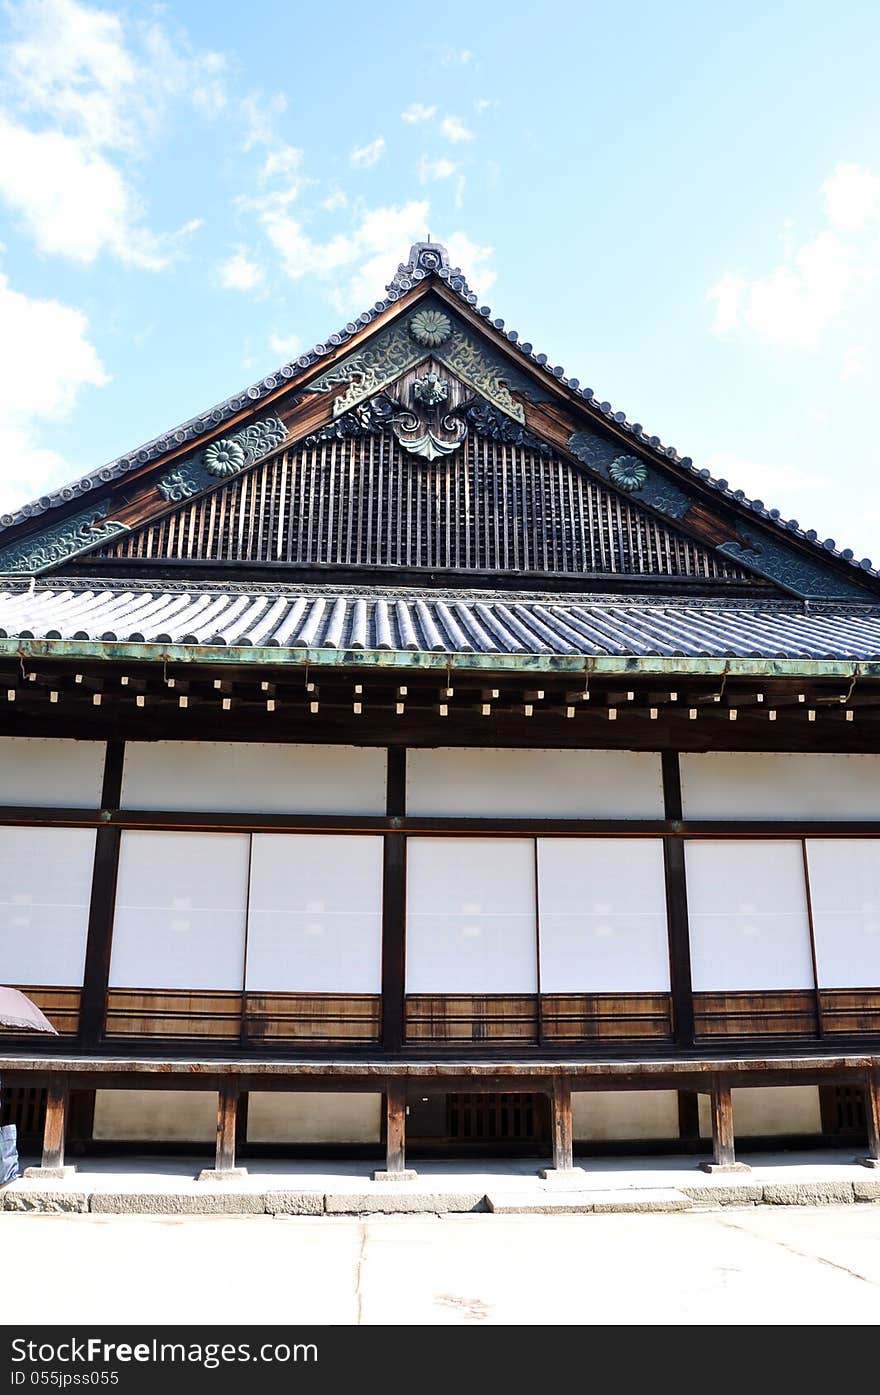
18	1012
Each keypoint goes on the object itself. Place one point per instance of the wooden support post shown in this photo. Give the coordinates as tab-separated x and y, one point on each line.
723	1150
395	1169
55	1126
224	1168
54	1131
872	1118
563	1160
227	1107
561	1133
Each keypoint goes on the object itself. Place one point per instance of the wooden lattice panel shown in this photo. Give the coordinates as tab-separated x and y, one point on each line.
173	1013
317	1017
461	1018
783	1014
490	507
513	1118
850	1010
571	1017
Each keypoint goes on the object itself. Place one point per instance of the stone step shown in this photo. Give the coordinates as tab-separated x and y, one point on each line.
555	1202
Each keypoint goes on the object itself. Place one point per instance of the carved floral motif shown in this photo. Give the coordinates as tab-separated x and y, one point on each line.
628	473
223	458
430	328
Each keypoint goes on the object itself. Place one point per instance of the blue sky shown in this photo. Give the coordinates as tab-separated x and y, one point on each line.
679	203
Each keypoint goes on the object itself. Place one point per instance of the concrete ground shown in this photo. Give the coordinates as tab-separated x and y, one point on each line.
763	1265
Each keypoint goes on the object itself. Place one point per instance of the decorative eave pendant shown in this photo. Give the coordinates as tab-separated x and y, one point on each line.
427	422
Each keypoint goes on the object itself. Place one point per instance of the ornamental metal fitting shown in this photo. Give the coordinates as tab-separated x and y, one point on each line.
430	390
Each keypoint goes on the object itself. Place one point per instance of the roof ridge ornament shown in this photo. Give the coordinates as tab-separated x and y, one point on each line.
428	259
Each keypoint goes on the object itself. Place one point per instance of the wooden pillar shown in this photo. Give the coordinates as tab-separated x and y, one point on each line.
395	1169
394	907
677	908
562	1133
395	1126
723	1150
227	1111
872	1118
102	904
55	1126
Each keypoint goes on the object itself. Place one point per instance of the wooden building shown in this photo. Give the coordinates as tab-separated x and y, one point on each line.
414	749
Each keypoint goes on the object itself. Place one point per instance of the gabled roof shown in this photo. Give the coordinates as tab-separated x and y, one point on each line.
762	541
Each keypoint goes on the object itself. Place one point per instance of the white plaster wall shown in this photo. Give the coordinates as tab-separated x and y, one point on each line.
313	1117
252	777
624	1114
39	771
774	1110
175	1116
563	784
775	785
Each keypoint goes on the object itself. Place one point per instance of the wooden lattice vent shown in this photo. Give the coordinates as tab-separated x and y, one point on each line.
491	507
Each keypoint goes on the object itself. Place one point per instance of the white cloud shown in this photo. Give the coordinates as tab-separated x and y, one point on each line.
854	363
430	170
455	130
239	272
794	304
852	197
282	162
760	479
366	156
360	261
37	385
474	260
337	198
81	88
73	202
484	104
417	111
819	280
455	57
260	116
285	346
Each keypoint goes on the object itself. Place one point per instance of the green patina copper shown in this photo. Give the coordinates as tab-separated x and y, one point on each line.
280	657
